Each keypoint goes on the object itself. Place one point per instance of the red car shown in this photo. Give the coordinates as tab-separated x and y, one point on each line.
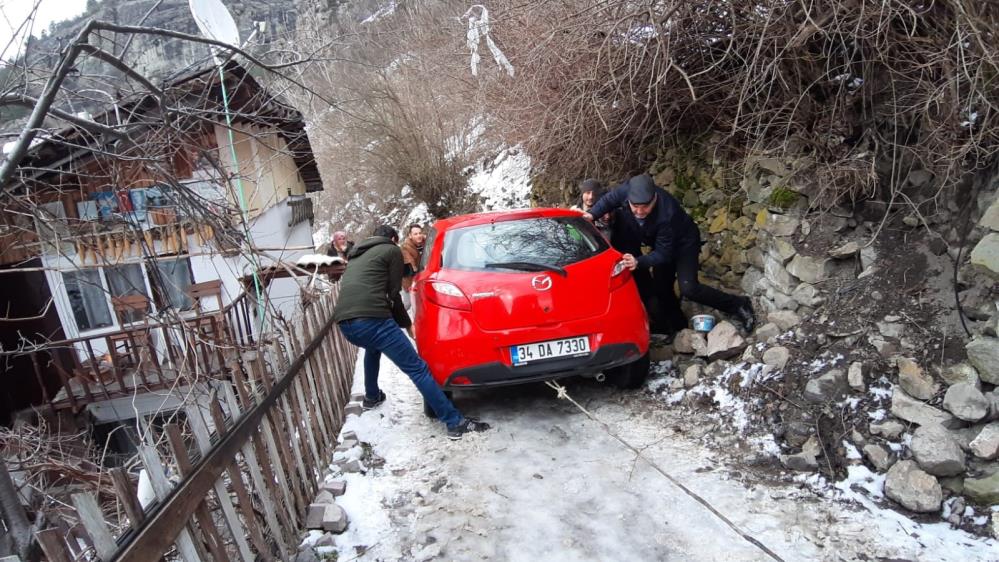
523	296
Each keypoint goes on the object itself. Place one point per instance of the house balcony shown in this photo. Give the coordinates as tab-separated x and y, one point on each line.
145	357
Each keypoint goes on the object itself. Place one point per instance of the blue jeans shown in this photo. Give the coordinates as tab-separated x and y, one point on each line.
383	335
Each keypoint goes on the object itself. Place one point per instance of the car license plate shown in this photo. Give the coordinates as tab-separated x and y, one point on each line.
568	347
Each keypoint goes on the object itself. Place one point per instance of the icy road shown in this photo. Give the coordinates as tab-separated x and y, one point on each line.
549	483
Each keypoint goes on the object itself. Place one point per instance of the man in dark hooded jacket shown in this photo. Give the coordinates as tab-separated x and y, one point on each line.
650	218
369	313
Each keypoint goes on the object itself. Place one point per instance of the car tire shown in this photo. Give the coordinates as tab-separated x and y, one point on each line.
630	376
428	411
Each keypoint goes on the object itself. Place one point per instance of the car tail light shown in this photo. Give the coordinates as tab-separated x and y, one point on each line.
447	295
619	275
461	380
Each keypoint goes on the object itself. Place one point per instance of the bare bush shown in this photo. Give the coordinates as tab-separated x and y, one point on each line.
404	114
601	86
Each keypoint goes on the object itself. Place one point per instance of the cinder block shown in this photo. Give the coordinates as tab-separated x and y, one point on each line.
335	487
357	397
323	497
353	408
334	519
315	515
348	435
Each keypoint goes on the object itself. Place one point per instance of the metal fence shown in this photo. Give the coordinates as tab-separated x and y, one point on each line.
247	462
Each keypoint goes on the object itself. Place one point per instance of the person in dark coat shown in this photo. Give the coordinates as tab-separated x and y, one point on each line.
369	313
590	191
660	243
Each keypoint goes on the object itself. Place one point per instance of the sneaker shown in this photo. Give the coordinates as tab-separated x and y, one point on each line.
746	316
368	403
465	426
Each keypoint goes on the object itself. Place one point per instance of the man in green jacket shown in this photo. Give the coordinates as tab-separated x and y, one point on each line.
370	314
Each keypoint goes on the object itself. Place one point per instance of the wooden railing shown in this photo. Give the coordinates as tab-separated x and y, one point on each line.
142	357
252	459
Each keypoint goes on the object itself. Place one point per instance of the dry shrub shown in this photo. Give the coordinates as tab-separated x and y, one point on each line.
601	86
401	118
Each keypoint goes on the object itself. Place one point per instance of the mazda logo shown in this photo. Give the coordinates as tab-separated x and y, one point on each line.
541	282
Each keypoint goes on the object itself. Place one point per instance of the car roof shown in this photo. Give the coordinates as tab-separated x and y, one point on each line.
474	219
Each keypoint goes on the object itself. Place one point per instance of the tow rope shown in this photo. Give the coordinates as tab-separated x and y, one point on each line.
564	395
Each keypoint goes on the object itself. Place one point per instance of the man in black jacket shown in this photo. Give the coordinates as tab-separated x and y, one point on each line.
369	313
651	219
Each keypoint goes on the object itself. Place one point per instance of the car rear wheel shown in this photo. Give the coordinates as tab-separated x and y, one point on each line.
630	376
428	411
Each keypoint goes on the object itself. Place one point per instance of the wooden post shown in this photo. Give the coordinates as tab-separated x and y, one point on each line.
204	441
93	521
129	501
202	515
161	487
53	545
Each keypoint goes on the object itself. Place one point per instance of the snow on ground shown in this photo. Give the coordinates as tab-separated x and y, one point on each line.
504	183
548	483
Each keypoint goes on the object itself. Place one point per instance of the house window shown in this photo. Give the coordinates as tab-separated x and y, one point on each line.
171	279
125	280
87	298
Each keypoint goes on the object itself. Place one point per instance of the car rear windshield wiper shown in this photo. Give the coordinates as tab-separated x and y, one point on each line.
528	266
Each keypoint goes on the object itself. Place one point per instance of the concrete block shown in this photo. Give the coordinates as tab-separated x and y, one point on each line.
353	408
336	487
334	519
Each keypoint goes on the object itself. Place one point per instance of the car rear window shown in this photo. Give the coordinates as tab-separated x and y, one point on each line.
554	242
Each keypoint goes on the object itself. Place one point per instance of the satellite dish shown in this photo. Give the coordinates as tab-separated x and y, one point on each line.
215	21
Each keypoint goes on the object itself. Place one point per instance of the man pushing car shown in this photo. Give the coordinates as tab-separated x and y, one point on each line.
370	315
652	218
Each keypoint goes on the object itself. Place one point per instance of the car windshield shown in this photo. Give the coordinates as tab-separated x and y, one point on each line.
536	244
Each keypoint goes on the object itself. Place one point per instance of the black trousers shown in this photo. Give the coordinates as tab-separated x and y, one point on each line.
655	287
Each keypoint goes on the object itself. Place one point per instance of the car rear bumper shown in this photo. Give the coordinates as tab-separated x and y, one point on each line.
499	374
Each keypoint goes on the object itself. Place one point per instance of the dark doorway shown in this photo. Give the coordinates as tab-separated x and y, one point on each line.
27	314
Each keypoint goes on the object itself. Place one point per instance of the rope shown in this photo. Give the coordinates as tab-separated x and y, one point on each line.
564	395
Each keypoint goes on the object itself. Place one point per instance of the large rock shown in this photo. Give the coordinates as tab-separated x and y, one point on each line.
986	445
724	341
937	452
855	376
986	252
775	272
684	341
966	402
961	372
889	429
830	386
847	250
778	225
776	357
983	354
915	411
914	380
692	375
983	491
781	249
809	269
784	319
807	295
767	331
990	219
913	488
880	457
751	282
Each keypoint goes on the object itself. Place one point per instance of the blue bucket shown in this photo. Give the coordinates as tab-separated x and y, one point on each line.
703	322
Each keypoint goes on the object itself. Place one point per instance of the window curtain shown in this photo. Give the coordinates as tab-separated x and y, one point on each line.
87	298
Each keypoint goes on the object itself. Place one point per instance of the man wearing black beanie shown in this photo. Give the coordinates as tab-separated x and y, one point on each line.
650	217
